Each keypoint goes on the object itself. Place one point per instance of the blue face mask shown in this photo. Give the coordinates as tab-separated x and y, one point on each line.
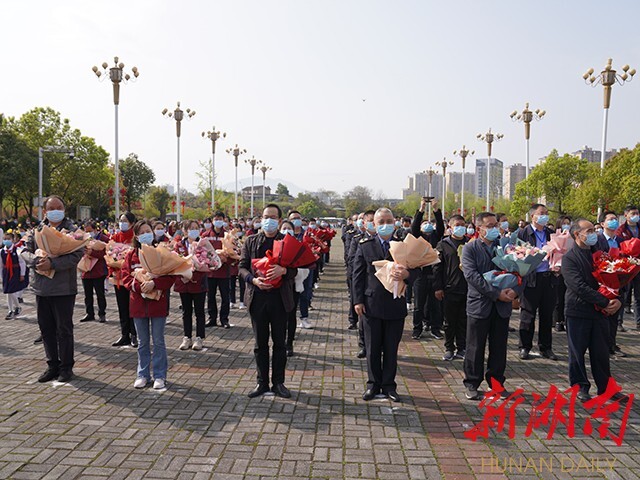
286	231
505	225
359	223
218	223
297	222
634	219
124	226
145	238
7	243
565	227
159	234
55	216
371	227
385	230
398	224
492	234
313	226
471	231
427	228
591	240
269	225
207	225
542	220
193	234
459	231
613	224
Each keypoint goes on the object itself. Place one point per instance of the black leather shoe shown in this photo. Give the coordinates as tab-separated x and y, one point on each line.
87	318
121	342
370	394
511	329
258	390
362	353
393	396
48	376
290	351
352	326
102	318
560	327
134	341
583	396
524	354
211	323
549	354
65	376
281	391
38	340
226	325
437	334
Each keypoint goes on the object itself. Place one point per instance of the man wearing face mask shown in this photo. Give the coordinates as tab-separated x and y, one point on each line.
218	280
587	328
268	306
488	310
631	229
540	293
348	230
55	297
382	315
427	310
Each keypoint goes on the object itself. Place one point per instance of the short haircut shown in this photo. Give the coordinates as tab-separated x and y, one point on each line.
535	207
291	212
51	197
629	208
382	210
219	214
130	217
500	215
456	218
604	214
369	212
273	205
406	219
576	227
482	215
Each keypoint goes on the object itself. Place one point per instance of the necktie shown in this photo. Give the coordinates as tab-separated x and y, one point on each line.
385	247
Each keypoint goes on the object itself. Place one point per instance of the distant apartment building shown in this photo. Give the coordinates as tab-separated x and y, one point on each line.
513	174
593	156
496	177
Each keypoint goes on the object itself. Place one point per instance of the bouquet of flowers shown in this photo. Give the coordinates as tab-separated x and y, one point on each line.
288	253
160	261
53	243
412	253
204	256
325	234
87	262
515	260
231	246
559	244
116	253
631	247
613	271
317	246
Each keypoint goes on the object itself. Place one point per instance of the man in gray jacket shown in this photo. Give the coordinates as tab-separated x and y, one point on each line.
55	297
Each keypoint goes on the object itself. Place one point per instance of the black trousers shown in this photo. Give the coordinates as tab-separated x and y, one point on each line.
496	329
382	338
540	299
353	317
268	316
455	322
55	319
588	334
561	291
193	302
221	284
292	320
127	327
89	285
232	288
427	310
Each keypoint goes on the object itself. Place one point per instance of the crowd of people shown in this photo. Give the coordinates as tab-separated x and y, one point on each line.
449	300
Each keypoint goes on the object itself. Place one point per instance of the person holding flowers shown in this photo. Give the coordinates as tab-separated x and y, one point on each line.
14	273
218	280
631	229
563	225
93	279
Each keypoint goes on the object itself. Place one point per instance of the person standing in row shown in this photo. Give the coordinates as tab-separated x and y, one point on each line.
631	229
562	225
218	280
93	280
268	306
14	274
55	297
127	327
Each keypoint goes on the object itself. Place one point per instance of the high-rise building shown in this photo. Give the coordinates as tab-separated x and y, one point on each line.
454	182
513	174
496	178
593	156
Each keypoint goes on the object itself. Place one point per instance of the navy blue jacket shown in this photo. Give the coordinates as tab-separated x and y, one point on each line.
603	244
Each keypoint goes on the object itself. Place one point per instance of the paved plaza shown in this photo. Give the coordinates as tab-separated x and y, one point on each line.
204	426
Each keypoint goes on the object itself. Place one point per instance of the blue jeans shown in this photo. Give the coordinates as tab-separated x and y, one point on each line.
159	359
306	296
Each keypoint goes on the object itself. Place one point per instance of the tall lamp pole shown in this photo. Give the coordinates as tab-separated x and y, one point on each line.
489	138
178	116
526	116
444	164
264	169
607	78
236	152
41	150
253	162
214	136
431	172
463	154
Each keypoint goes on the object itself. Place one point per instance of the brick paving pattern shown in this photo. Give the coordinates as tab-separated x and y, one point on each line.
204	426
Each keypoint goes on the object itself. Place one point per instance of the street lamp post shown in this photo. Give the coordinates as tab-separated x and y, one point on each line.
526	116
41	150
178	116
253	162
236	152
444	164
116	76
489	138
213	135
431	172
463	153
264	169
607	78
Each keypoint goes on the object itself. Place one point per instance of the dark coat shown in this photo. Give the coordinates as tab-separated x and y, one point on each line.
368	290
99	270
447	274
250	251
582	288
434	237
603	244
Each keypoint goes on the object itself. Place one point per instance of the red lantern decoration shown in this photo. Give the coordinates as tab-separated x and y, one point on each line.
173	206
492	208
110	191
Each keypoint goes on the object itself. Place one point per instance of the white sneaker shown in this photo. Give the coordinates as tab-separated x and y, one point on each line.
241	306
186	343
315	286
158	384
304	323
233	305
197	344
140	382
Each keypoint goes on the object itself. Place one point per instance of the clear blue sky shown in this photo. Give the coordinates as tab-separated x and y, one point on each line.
286	79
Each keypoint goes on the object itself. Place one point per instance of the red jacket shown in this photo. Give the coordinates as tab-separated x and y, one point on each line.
198	283
625	232
99	270
216	240
120	237
140	307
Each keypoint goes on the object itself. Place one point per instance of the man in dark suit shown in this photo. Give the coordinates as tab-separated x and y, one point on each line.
268	306
488	310
587	328
382	315
631	229
540	293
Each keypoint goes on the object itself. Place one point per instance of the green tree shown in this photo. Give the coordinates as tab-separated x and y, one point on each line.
282	189
136	178
358	199
160	198
18	166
